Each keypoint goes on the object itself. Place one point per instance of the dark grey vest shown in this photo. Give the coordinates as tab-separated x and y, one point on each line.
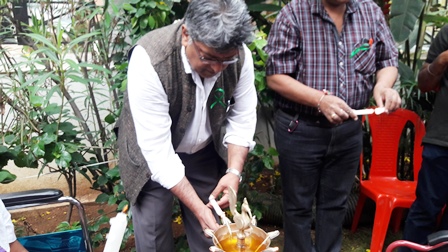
164	48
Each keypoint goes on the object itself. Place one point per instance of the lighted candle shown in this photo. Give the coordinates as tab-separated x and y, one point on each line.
118	226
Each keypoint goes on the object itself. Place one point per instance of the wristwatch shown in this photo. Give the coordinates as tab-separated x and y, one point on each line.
236	172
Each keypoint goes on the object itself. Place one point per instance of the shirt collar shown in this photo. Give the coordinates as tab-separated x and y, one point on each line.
317	6
187	66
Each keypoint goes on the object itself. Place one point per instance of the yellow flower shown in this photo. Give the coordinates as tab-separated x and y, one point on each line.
178	220
14	221
277	173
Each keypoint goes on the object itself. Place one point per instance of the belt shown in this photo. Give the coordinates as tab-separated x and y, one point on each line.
315	120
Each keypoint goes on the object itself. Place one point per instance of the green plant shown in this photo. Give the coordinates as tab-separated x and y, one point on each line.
64	94
65	225
411	28
148	15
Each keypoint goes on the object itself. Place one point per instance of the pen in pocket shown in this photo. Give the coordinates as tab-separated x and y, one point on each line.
365	45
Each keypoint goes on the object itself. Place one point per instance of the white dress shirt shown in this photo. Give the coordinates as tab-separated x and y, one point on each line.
7	234
149	107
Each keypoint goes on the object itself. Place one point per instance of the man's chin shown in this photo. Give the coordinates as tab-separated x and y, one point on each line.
207	74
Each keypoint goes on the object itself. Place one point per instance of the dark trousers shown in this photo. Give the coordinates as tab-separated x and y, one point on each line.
318	162
432	196
152	214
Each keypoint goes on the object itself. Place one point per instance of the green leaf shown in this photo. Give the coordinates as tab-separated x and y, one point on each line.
37	101
129	7
122	205
113	173
403	16
81	38
62	157
112	200
406	73
41	39
25	160
102	180
152	4
273	152
140	13
264	7
118	189
143	23
52	109
73	65
102	198
435	18
77	78
63	226
38	149
6	177
3	149
152	22
48	137
110	119
10	138
95	67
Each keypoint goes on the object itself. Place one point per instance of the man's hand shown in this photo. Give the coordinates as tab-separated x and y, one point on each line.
386	97
206	218
383	92
227	180
186	193
335	109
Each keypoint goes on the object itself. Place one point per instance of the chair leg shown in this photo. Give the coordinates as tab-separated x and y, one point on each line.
383	214
440	216
358	211
397	216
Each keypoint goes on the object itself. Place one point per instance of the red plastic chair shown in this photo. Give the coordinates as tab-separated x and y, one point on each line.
383	187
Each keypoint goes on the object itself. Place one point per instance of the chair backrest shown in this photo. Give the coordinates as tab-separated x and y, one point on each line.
386	131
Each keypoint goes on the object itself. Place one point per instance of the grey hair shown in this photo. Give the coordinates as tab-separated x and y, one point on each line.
219	24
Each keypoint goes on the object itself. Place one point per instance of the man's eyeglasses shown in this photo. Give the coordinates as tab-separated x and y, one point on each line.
213	61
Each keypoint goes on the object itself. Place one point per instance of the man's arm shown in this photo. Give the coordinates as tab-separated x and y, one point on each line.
15	246
186	193
298	92
431	74
236	158
383	93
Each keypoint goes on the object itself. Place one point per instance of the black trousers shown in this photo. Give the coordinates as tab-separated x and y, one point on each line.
318	162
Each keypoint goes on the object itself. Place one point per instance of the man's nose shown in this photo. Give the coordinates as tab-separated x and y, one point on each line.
218	67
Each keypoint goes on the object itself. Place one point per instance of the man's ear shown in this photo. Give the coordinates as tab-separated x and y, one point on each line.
185	36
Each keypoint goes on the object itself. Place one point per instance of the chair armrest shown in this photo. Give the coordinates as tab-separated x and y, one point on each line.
30	198
438	237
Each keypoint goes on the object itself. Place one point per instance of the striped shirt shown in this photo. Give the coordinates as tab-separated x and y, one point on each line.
305	44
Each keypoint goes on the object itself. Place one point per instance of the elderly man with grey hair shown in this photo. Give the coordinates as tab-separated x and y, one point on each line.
188	121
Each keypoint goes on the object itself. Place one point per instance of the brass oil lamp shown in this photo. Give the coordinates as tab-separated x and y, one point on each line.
242	235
